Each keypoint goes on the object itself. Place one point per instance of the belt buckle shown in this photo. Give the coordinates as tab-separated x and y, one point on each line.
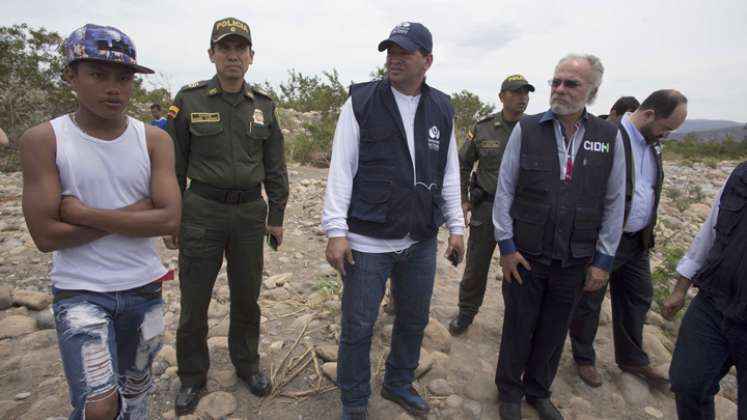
232	197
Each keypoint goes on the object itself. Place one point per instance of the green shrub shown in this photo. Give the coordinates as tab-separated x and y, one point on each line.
690	148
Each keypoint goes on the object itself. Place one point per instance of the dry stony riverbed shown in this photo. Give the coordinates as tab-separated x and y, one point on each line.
300	328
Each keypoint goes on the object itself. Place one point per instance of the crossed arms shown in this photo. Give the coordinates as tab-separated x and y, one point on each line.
58	222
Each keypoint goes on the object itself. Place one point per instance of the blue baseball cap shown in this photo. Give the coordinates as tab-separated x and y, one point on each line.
410	36
102	43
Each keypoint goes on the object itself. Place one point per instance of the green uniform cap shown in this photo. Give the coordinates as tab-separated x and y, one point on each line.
230	26
515	82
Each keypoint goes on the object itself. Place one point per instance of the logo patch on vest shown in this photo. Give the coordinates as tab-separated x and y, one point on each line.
433	136
596	146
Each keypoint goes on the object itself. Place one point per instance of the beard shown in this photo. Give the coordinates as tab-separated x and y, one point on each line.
648	134
563	106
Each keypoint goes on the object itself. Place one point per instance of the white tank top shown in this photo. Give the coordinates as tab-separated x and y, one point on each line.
104	174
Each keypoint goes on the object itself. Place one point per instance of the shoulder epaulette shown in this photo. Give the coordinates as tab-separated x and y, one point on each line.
194	85
261	93
486	118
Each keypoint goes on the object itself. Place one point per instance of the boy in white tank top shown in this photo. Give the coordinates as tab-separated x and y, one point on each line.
97	186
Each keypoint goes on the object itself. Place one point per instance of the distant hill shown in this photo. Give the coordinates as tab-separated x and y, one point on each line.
711	130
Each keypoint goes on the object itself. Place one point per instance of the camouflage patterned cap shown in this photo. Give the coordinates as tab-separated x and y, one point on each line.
101	43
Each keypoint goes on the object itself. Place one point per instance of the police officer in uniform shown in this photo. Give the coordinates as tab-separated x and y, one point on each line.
558	216
485	143
228	143
630	280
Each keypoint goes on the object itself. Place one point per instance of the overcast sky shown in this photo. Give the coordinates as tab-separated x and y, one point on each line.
695	46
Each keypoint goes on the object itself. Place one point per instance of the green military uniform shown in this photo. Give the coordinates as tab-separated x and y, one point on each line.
485	144
228	145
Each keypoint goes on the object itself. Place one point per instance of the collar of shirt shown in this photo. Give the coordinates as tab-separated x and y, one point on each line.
214	88
635	134
550	116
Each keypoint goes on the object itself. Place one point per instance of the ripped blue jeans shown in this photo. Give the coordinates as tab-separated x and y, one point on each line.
108	342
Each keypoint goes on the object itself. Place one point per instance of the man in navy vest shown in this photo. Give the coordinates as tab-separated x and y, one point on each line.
558	217
630	281
713	333
393	180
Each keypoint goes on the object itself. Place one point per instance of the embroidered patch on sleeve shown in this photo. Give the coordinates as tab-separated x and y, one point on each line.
173	110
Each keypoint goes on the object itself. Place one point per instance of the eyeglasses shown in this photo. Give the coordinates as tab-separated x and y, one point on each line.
568	83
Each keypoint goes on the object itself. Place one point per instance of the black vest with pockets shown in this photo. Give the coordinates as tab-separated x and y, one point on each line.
390	199
555	219
723	276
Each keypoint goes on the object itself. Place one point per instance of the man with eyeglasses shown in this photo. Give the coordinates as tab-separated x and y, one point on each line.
228	143
631	288
558	216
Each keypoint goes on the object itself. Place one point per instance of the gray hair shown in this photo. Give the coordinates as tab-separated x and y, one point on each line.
597	70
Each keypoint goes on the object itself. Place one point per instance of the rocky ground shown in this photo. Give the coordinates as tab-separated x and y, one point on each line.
300	328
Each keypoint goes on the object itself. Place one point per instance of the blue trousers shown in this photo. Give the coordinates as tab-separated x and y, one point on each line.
707	347
412	272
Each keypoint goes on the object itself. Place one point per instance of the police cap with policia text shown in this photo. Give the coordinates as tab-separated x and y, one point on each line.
230	26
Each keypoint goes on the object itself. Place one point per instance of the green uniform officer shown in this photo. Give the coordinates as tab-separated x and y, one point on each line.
484	144
228	143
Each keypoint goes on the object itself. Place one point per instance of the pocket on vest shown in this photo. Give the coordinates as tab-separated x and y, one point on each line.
595	179
730	212
371	204
534	170
529	225
586	224
376	144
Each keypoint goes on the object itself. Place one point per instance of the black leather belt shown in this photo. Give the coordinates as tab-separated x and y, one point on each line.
223	195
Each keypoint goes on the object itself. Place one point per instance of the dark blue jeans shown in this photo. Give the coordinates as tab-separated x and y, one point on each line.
412	272
707	346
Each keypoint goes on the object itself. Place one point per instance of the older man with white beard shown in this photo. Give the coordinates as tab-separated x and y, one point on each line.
558	217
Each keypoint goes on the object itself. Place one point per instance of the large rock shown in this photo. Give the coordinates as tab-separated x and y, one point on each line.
481	388
6	297
32	300
330	371
657	353
44	319
424	364
217	405
217	343
437	337
725	409
38	340
327	352
634	389
221	329
16	326
579	405
217	310
440	387
168	355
